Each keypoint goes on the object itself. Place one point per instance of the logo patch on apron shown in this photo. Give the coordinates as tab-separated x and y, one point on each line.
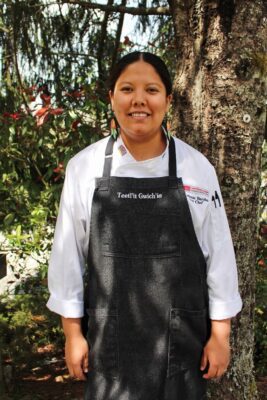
142	196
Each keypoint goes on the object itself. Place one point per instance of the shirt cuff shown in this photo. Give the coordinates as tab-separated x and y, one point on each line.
223	310
66	308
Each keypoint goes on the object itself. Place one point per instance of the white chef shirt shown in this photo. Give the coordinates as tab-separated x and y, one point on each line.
70	246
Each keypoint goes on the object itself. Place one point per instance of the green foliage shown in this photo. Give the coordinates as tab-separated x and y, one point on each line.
66	77
25	322
33	159
71	94
60	58
59	42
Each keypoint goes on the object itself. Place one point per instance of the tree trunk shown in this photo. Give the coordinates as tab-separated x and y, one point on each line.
219	108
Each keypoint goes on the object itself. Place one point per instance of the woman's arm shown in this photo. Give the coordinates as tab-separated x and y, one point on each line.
76	348
216	353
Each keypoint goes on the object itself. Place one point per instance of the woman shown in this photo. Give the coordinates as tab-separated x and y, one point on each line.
145	210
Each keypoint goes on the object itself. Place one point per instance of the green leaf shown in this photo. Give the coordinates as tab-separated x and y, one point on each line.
9	218
18	231
12	130
72	114
24	131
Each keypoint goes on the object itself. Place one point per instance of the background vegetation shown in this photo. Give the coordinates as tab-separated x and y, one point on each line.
54	68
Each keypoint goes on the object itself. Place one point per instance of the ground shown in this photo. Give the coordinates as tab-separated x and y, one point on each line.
45	379
48	379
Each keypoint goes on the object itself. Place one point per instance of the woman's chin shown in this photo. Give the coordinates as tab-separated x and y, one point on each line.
140	135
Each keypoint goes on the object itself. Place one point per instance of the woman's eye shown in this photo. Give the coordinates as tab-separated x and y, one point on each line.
152	90
126	89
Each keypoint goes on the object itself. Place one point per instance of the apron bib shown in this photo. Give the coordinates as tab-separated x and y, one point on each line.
146	295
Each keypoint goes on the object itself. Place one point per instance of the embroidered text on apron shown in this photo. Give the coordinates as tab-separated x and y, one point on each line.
147	293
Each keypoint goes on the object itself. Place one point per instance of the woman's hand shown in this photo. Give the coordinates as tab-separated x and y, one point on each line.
76	354
216	353
76	348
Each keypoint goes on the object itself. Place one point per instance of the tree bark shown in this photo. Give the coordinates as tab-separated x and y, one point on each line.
219	108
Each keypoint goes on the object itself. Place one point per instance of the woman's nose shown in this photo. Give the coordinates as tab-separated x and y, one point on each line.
139	98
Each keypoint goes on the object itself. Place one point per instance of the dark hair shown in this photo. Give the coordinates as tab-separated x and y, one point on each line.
151	59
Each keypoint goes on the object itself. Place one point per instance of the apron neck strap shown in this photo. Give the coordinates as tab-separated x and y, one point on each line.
172	159
109	155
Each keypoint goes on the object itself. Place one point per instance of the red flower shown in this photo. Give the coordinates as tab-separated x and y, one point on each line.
30	89
14	116
263	229
59	168
127	41
56	111
41	111
76	94
75	124
42	115
261	263
46	99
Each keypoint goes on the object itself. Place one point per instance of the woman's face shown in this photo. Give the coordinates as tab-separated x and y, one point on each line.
139	101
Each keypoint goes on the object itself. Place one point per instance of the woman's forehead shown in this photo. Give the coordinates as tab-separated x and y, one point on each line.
139	71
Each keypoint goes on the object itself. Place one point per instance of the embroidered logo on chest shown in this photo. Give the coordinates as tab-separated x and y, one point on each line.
122	150
196	194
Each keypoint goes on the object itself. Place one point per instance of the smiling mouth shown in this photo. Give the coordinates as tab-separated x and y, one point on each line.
139	114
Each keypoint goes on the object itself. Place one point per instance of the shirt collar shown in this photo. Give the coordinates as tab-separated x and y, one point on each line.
122	151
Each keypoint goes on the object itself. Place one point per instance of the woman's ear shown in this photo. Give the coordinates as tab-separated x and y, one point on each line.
169	100
110	93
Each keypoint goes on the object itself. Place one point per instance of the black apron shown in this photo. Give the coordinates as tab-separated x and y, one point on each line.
147	295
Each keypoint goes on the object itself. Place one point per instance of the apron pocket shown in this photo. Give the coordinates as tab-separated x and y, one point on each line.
102	338
140	235
188	333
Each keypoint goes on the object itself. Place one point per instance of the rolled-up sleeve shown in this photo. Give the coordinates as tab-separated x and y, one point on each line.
67	260
222	279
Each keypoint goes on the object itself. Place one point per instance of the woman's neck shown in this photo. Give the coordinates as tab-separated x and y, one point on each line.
145	149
